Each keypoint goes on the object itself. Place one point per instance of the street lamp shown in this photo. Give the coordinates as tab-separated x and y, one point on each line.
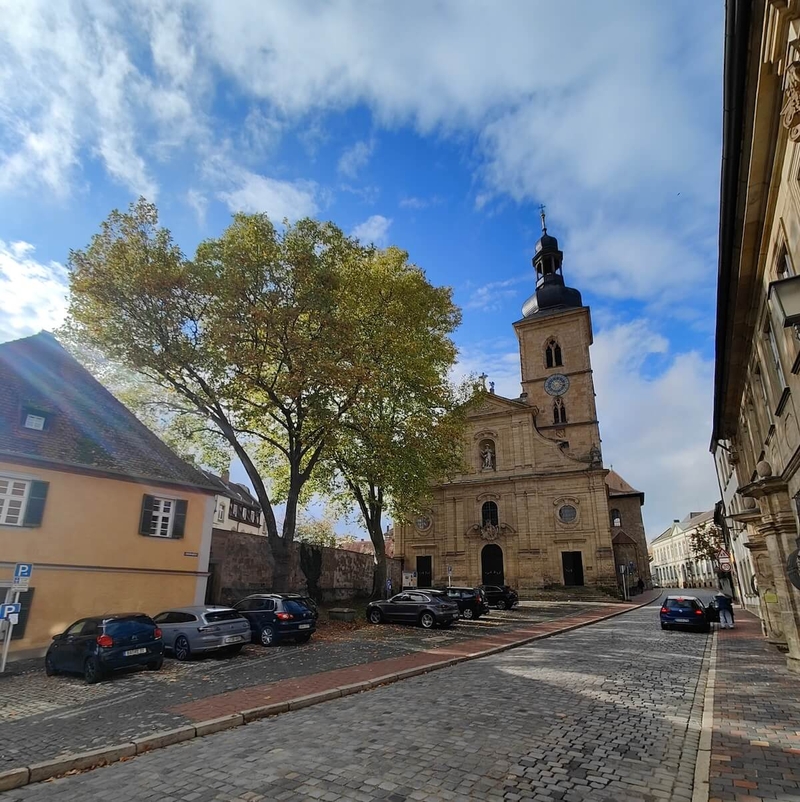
785	295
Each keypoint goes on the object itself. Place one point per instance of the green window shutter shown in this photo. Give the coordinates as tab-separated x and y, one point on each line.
34	510
25	600
146	520
179	524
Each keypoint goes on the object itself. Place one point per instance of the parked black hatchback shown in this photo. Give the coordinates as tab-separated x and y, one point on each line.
471	602
276	617
99	645
503	597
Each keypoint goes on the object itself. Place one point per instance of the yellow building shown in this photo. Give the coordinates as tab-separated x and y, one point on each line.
757	386
110	517
534	509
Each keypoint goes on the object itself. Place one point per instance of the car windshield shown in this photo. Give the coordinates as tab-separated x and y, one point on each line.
296	606
222	615
124	627
681	604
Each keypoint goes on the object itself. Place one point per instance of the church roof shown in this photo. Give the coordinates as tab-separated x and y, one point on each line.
617	486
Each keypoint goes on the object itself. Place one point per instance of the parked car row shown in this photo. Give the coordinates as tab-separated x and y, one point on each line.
99	645
440	606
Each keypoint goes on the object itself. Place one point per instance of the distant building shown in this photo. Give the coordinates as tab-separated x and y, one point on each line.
236	509
366	547
674	564
110	517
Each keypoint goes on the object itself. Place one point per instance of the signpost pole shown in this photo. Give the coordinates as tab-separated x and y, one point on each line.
8	629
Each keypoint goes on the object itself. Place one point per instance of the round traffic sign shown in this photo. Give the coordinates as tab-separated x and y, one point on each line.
725	566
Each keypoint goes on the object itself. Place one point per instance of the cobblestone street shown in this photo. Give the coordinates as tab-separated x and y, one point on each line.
600	713
41	717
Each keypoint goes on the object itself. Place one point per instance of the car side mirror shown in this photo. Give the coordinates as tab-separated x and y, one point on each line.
59	636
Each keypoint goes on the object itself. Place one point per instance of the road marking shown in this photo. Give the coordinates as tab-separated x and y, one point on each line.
702	766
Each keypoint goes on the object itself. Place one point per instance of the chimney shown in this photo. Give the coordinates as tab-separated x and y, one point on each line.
226	475
675	521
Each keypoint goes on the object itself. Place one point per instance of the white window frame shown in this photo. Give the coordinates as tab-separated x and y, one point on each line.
7	497
220	513
39	421
776	355
159	517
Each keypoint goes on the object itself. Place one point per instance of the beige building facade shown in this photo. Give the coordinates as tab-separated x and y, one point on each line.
757	386
674	564
532	509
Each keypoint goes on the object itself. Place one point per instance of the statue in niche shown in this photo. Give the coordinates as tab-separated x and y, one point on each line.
488	462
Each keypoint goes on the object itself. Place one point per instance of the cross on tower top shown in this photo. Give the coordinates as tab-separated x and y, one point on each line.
541	214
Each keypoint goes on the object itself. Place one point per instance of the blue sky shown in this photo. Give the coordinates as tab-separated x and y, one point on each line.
435	126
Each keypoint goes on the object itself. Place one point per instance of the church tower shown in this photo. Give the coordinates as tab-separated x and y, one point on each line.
554	334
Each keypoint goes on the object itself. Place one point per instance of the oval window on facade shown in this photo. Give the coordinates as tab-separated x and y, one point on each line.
567	513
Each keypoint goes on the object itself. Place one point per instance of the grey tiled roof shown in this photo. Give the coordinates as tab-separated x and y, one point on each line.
86	425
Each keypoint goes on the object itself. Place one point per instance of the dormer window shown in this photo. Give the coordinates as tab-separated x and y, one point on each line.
35	419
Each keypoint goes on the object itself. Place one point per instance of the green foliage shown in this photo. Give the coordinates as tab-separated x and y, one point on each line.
320	532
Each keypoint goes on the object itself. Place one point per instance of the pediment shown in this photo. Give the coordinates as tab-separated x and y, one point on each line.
493	404
621	538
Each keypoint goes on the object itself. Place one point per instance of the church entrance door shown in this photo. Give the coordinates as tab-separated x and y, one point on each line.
492	565
424	571
572	562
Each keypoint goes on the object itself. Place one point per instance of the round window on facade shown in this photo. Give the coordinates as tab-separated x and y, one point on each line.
567	514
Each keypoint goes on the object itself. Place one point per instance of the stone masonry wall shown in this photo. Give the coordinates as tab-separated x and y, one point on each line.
241	565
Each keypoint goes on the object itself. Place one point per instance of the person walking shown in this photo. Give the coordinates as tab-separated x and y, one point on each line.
640	585
725	607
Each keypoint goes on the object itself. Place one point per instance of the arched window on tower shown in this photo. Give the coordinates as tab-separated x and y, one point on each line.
559	411
489	514
552	354
616	518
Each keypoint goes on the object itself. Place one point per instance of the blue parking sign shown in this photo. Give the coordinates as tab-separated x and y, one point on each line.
23	571
7	610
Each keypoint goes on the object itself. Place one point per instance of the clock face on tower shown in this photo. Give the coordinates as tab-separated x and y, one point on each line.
557	384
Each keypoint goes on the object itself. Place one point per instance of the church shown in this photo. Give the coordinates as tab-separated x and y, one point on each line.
535	508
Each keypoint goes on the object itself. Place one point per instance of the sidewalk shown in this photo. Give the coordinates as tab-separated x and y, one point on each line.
755	747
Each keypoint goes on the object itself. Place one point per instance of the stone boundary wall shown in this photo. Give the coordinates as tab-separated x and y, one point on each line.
242	564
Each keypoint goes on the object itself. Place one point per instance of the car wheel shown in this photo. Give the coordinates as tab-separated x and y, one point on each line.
468	614
426	620
234	650
181	649
375	616
155	665
664	626
502	604
267	636
91	672
303	638
49	667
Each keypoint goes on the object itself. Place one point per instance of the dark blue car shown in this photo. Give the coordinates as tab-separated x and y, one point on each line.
684	612
276	617
101	644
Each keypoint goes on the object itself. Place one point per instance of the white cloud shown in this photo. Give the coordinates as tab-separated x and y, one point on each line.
419	203
281	200
655	428
356	158
491	297
35	293
199	202
373	230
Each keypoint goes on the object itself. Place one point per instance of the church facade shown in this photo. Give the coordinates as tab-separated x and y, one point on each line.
534	507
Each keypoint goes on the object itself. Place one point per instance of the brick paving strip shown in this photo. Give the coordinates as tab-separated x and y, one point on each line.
232	709
755	745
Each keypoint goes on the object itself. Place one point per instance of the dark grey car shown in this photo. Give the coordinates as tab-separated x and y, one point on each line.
203	628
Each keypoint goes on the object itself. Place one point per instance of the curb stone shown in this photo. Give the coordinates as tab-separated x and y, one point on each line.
24	775
78	761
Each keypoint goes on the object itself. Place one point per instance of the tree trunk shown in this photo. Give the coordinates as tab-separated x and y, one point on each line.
379	590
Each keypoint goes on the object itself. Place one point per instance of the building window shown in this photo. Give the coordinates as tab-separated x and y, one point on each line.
616	518
784	267
552	354
489	514
35	422
567	514
163	517
221	512
776	357
13	498
559	411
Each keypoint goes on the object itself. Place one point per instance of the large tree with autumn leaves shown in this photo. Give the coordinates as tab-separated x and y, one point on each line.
275	341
